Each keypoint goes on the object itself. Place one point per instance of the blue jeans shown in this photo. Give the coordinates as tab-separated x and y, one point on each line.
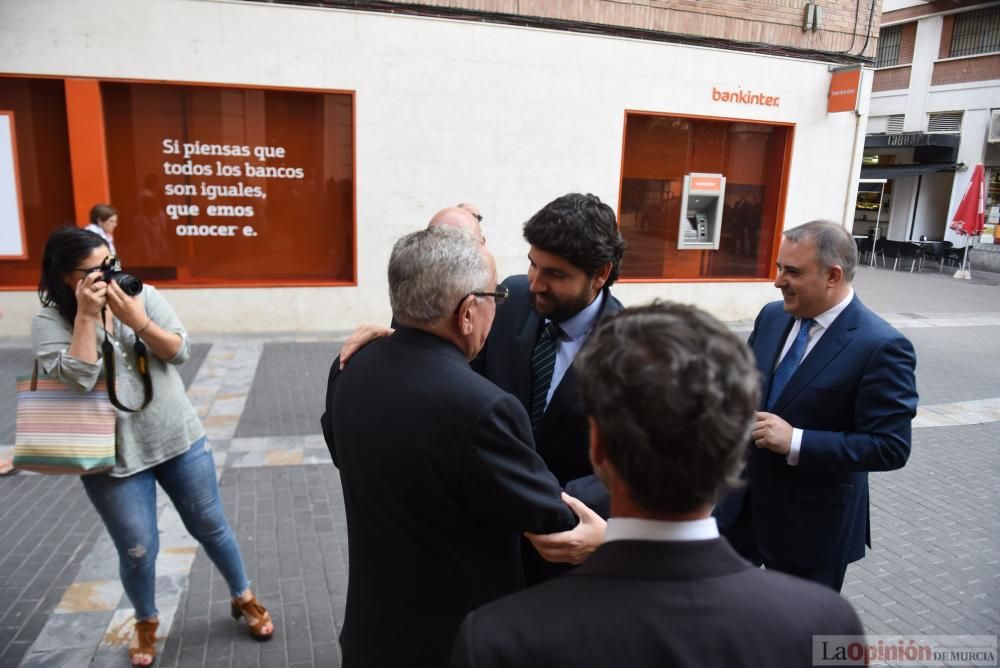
128	508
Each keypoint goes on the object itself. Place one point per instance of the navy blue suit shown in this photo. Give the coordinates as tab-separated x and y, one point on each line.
853	396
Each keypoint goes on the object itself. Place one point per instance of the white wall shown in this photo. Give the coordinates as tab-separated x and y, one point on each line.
932	207
446	111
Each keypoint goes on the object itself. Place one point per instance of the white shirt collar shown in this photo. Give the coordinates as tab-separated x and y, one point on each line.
632	528
582	322
826	318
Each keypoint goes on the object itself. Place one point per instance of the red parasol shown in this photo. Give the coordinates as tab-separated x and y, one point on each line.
969	216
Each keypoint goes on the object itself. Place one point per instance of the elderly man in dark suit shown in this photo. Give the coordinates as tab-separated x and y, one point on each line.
574	258
670	392
437	463
838	395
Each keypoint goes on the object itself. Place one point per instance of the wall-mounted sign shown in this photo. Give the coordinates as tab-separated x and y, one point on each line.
12	244
844	87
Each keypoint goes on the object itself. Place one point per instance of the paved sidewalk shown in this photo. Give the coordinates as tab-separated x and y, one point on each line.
934	567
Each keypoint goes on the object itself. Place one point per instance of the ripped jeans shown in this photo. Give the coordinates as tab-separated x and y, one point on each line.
128	508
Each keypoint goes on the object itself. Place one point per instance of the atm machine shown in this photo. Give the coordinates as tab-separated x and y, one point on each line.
701	211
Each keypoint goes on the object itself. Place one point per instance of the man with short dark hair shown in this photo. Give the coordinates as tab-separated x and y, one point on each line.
437	465
573	261
839	393
670	393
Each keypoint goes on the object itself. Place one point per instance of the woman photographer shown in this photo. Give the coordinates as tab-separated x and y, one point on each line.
163	443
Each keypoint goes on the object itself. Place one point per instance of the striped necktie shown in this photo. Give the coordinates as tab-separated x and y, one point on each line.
543	361
789	363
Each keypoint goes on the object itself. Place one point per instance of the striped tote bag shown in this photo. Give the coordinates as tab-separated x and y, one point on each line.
60	430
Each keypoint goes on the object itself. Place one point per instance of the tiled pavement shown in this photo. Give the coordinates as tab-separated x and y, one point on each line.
934	569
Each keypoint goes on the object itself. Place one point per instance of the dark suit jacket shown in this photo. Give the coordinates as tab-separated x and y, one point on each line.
854	396
647	603
439	478
561	437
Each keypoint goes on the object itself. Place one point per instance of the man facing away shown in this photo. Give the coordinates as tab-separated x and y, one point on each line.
670	394
838	395
437	467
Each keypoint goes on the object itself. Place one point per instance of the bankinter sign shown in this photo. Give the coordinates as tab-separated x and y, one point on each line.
844	86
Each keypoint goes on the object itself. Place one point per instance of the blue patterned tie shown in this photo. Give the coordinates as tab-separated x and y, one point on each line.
543	361
789	363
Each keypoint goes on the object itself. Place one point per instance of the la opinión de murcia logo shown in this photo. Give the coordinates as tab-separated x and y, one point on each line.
905	650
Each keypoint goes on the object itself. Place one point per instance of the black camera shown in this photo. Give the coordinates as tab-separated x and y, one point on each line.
111	269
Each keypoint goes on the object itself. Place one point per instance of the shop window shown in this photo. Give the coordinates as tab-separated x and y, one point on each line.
889	40
732	205
231	186
38	110
976	32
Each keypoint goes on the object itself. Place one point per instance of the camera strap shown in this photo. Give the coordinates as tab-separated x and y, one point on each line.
142	359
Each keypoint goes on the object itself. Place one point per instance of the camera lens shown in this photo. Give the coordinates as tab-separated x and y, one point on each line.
129	284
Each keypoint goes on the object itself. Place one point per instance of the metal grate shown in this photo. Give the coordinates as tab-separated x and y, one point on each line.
976	32
895	124
888	46
944	121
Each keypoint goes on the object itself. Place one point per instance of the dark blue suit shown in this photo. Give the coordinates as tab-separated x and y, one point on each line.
853	396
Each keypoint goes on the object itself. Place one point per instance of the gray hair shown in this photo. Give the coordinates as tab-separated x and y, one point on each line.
834	246
431	271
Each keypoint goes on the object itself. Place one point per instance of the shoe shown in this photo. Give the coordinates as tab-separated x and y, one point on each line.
146	629
252	608
7	467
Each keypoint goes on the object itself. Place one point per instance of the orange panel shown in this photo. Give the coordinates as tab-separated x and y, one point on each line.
844	87
88	157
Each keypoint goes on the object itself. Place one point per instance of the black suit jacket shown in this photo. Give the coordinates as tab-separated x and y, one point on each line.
649	603
853	396
439	478
562	436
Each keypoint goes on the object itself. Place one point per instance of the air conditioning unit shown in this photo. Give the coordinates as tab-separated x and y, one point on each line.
993	136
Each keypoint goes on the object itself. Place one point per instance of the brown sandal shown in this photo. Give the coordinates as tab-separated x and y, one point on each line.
251	608
146	629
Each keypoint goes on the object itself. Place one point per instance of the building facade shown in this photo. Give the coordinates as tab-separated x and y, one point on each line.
264	157
935	95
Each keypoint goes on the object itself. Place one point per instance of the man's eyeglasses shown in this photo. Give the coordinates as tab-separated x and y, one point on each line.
500	295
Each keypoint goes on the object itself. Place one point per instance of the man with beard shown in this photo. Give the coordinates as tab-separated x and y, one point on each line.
572	263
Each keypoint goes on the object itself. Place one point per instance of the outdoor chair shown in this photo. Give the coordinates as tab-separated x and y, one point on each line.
898	251
937	251
866	251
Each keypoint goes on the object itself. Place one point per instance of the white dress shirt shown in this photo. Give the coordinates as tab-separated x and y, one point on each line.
574	333
821	323
632	528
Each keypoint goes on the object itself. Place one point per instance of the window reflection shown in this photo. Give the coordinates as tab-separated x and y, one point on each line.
659	151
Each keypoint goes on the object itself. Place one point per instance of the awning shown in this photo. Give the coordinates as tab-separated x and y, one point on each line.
897	171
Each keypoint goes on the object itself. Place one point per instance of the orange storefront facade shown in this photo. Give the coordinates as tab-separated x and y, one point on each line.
215	185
